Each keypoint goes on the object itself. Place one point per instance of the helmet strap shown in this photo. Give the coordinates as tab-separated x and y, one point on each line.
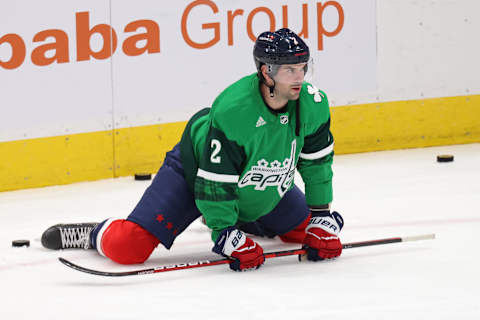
269	71
272	88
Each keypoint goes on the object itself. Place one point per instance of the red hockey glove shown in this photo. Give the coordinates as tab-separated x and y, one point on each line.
321	241
234	244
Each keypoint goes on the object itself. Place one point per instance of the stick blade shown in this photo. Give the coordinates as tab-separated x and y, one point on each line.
102	273
430	236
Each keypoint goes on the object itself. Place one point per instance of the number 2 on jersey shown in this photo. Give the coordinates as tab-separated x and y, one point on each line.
216	146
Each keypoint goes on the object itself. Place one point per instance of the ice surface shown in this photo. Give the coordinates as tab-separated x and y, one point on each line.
380	194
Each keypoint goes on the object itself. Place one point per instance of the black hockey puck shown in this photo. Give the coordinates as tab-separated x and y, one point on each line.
20	243
445	158
143	176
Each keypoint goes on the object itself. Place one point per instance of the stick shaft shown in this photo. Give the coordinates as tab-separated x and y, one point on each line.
208	263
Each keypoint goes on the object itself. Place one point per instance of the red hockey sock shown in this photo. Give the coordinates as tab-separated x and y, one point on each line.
126	242
296	235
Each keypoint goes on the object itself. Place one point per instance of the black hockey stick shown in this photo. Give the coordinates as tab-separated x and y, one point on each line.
207	263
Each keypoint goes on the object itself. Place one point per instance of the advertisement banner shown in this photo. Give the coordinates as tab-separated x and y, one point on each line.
49	83
97	65
206	45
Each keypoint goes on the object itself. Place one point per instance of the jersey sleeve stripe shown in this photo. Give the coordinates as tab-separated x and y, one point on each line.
317	155
217	177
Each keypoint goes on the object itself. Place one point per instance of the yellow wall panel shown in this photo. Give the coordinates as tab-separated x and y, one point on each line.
142	149
406	124
56	160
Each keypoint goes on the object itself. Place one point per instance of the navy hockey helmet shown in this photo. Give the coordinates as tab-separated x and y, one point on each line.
280	47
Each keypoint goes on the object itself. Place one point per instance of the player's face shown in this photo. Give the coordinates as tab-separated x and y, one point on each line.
289	79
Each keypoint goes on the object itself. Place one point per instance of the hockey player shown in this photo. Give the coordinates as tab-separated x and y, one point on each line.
235	166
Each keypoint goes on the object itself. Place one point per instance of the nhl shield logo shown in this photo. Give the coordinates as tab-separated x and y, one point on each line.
284	119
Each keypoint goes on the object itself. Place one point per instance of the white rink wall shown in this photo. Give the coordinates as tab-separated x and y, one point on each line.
426	49
364	51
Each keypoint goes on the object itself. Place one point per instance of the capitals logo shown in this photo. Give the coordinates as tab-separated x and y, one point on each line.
275	173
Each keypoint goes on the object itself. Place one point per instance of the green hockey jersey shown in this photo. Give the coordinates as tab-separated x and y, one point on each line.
240	156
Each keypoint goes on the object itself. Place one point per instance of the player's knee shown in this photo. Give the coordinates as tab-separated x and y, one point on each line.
297	235
126	242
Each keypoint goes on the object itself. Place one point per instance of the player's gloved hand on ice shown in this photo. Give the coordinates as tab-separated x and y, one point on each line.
234	244
321	240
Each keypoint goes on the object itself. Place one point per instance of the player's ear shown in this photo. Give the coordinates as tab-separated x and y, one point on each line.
266	76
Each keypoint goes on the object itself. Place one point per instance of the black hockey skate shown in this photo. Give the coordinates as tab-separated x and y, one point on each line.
66	236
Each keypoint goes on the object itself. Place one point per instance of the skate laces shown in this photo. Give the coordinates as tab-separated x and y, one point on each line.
76	237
